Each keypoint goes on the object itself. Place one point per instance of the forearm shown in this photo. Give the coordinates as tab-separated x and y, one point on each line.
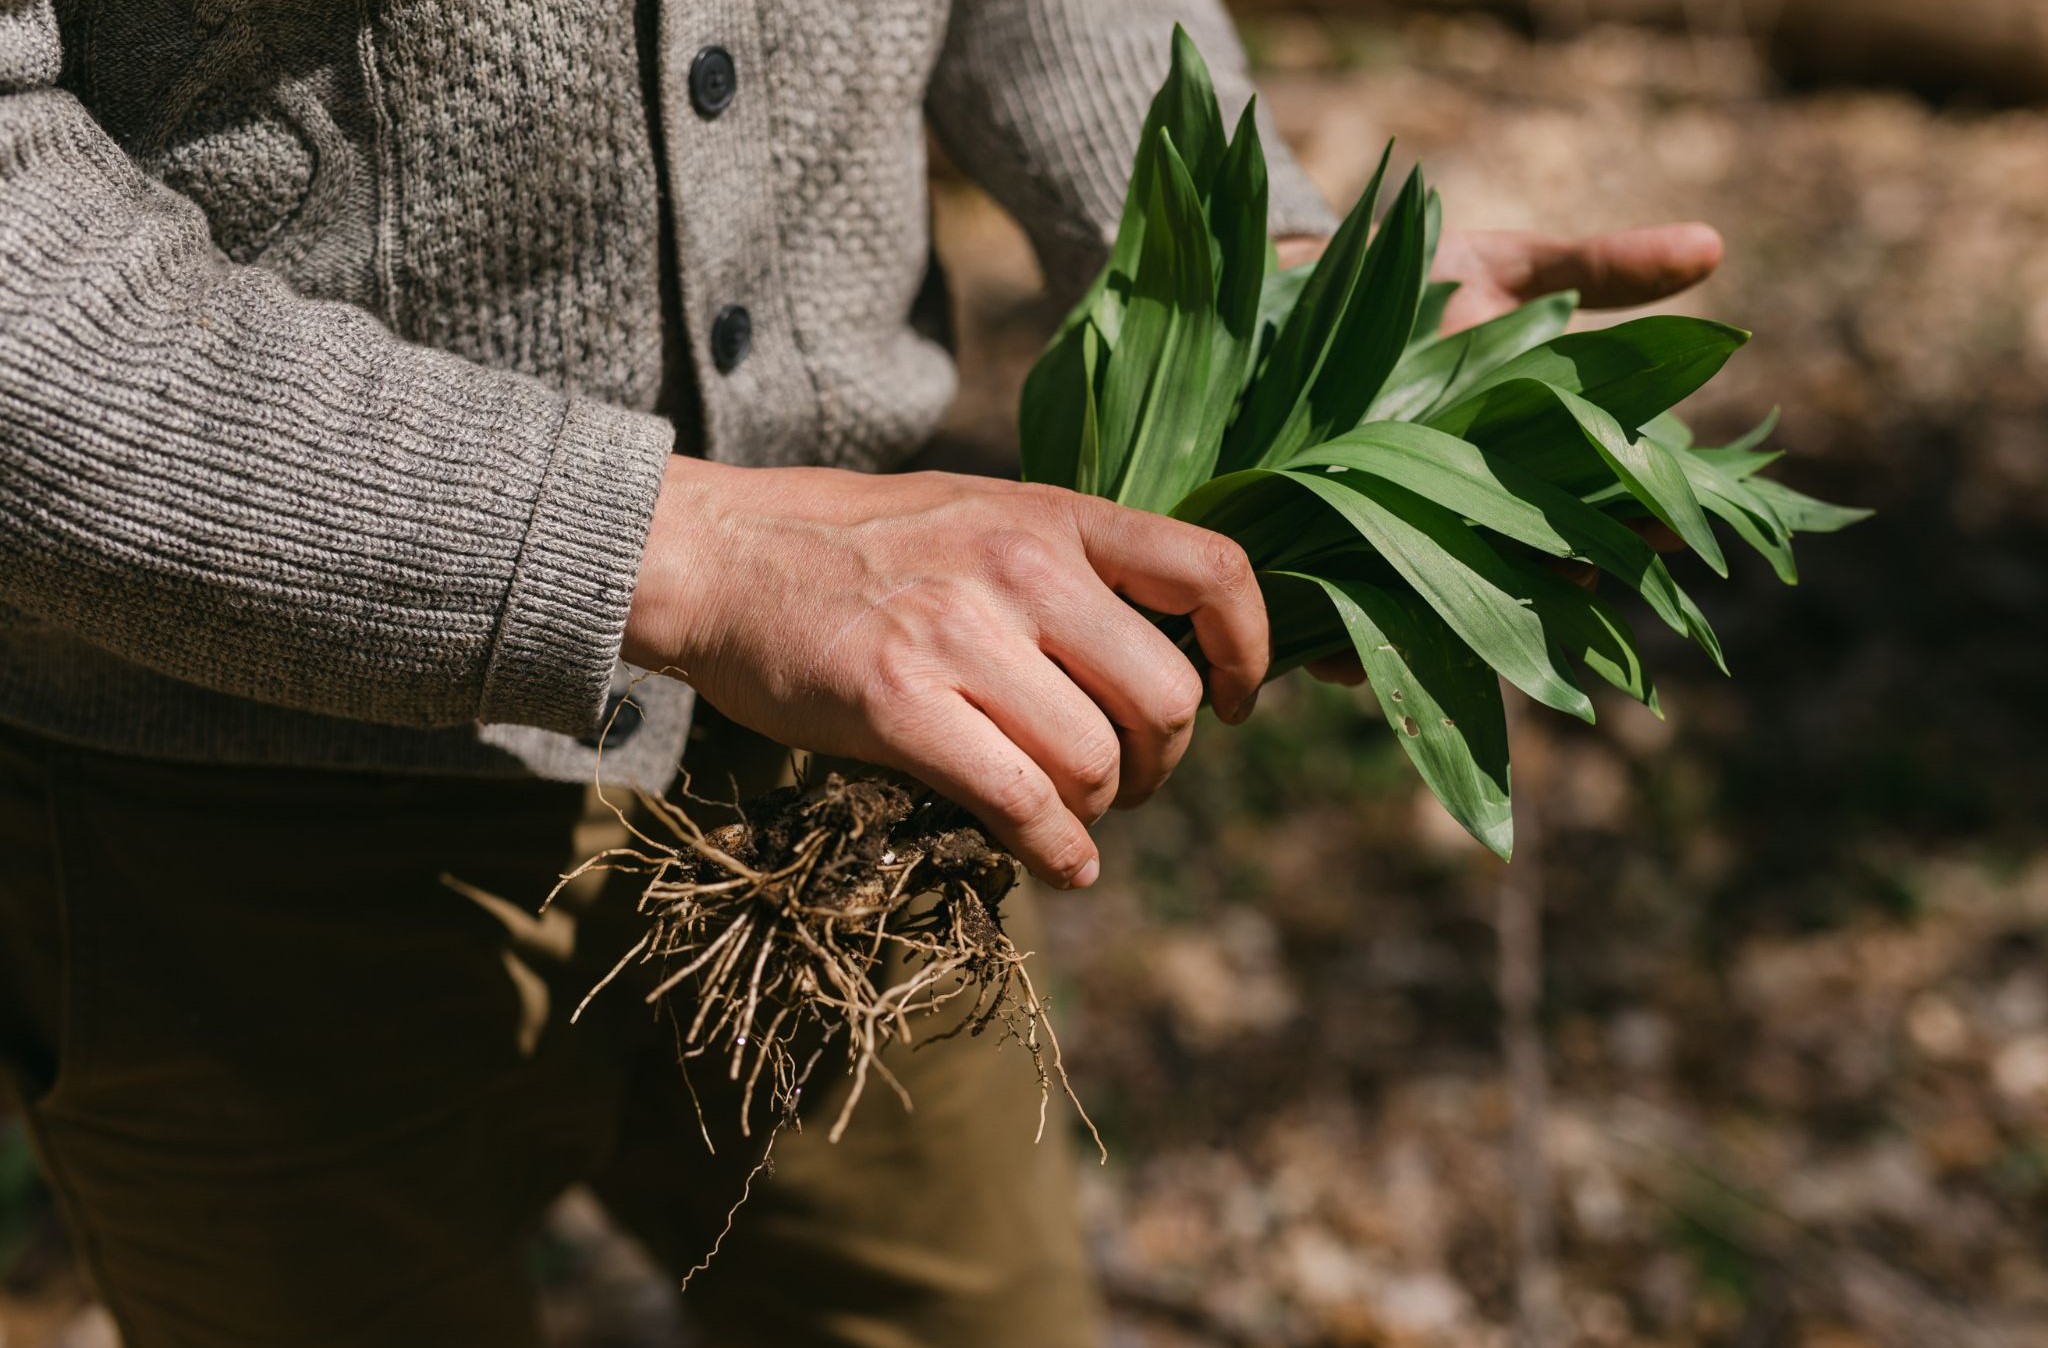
214	477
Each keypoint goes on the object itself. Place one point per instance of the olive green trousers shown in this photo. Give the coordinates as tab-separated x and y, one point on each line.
294	1091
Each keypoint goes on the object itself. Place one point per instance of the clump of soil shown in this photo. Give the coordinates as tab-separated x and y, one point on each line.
820	928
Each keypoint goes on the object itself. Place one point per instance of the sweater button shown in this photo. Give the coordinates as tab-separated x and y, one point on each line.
732	336
714	79
622	716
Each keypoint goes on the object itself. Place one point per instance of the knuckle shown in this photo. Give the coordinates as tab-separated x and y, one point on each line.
1180	700
1226	564
899	677
1021	798
1066	856
1097	767
1020	559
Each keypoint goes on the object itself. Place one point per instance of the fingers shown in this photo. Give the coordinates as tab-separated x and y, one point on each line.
1171	567
1659	536
952	747
1619	270
1031	700
1344	669
1138	677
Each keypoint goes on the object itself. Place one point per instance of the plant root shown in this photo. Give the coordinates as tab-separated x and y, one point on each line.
819	929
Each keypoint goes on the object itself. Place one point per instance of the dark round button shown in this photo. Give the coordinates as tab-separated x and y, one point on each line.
622	716
732	336
714	79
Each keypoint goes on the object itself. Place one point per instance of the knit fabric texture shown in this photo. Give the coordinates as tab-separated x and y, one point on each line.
330	335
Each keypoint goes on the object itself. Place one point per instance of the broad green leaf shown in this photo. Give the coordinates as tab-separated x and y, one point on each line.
1237	221
1371	333
1496	494
1588	627
1088	460
1268	515
1702	631
1460	575
1765	429
1191	114
1752	518
1151	443
1669	429
1433	376
1737	463
1441	700
1305	627
1277	299
1299	349
1802	513
1185	108
1547	430
1634	371
1049	416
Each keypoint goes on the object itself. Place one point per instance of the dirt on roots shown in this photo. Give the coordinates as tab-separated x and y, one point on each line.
832	920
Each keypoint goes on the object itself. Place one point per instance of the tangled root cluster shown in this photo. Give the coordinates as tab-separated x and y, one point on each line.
819	929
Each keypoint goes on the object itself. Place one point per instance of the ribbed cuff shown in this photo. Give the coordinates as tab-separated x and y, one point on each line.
565	615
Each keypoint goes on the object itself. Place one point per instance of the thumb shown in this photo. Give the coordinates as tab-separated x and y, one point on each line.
1629	267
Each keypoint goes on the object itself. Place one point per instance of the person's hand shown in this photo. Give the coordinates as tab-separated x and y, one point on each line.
972	633
1500	271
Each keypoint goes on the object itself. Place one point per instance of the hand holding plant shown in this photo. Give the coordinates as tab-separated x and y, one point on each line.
1401	489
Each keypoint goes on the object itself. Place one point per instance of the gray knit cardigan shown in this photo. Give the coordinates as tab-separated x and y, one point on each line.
332	333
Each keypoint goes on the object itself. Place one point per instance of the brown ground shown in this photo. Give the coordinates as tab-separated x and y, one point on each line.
1795	973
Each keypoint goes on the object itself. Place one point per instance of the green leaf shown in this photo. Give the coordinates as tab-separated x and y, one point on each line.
1669	430
1432	229
1372	332
1186	109
1429	315
1305	627
1190	113
1151	445
1277	298
1433	376
1738	464
1752	518
1088	458
1804	514
1765	429
1548	430
1635	371
1050	414
1496	494
1474	589
1436	295
1442	701
1702	631
1589	628
1237	221
1303	342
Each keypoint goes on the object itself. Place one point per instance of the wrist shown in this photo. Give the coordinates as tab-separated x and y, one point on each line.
668	607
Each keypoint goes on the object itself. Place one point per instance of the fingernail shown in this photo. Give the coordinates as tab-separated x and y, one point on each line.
1246	708
1089	873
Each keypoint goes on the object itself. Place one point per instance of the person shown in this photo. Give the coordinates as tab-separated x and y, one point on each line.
379	385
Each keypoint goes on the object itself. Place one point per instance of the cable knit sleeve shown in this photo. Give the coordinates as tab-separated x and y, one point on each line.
1041	101
209	475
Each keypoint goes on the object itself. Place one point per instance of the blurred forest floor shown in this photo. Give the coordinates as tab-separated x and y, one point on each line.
1795	939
